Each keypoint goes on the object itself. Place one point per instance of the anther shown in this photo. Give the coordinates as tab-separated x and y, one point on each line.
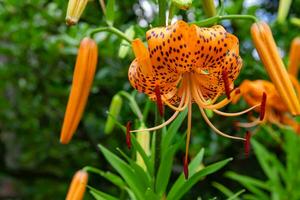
263	107
159	101
186	167
128	136
226	83
247	143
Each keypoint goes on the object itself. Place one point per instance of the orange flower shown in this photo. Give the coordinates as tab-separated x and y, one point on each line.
276	112
78	186
267	50
294	57
82	80
188	64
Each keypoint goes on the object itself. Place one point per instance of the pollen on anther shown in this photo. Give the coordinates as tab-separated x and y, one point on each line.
128	136
159	101
226	83
186	168
263	107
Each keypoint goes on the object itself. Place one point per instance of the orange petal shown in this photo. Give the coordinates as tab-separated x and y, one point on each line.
78	186
82	80
267	50
294	57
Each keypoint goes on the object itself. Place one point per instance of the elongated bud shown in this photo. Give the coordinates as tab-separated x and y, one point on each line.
114	111
182	4
269	55
294	57
283	10
83	76
143	138
209	8
128	136
247	143
74	11
142	55
78	186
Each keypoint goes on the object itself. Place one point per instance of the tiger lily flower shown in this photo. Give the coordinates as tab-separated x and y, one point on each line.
186	64
75	10
294	57
267	50
276	112
78	186
84	73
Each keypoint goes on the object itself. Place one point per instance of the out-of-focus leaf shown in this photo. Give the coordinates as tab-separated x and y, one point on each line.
99	195
124	46
110	12
235	196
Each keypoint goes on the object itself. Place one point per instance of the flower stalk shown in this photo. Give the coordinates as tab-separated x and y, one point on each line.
267	50
84	73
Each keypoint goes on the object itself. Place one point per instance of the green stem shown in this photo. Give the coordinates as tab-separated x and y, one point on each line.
162	6
113	30
216	19
172	11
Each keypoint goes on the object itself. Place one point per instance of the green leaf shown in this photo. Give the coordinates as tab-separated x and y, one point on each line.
172	130
124	46
115	179
165	169
110	12
99	195
227	192
144	179
235	196
125	171
185	185
150	195
248	180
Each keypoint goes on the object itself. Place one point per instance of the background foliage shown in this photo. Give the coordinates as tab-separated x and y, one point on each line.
37	55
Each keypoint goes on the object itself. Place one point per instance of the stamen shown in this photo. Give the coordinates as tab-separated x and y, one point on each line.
237	113
249	124
217	130
186	168
263	107
159	103
183	100
226	83
128	136
188	138
247	143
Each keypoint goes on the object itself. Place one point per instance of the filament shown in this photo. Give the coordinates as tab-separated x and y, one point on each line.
236	113
217	130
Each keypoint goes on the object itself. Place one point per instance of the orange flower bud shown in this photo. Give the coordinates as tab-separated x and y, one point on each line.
82	81
74	11
294	57
267	50
78	186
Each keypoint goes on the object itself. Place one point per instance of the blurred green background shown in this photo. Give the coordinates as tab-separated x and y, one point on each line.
37	57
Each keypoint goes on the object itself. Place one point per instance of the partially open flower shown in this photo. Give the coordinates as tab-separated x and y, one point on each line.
276	112
75	10
84	73
268	52
188	64
294	57
78	186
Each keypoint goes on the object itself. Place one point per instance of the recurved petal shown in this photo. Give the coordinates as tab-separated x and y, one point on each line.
166	80
82	80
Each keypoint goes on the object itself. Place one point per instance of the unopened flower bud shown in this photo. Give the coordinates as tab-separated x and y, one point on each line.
75	10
